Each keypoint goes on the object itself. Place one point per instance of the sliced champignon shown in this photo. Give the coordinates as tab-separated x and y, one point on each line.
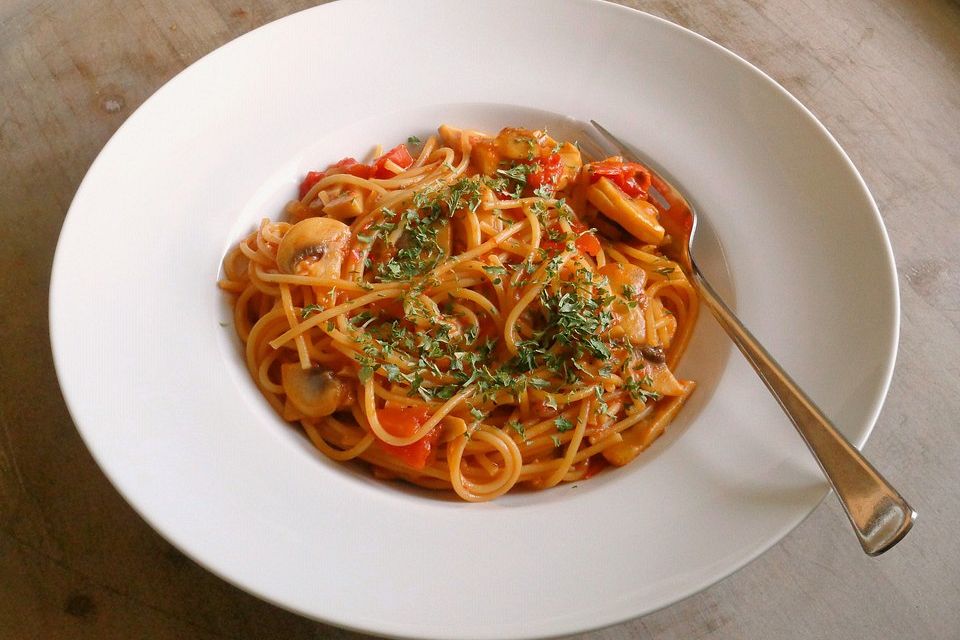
450	136
572	161
348	204
316	393
626	284
484	157
637	216
320	242
664	382
518	144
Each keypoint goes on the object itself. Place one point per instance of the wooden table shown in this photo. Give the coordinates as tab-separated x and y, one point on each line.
77	562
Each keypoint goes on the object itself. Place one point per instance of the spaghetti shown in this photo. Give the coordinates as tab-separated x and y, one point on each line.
491	313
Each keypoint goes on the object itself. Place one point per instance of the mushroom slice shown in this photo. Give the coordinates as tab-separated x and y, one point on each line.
318	242
450	136
638	217
664	382
484	157
629	303
518	144
572	161
348	204
316	393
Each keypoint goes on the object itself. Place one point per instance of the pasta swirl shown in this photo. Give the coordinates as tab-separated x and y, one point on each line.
492	313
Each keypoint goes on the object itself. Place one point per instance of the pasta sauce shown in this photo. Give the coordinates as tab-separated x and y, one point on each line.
471	313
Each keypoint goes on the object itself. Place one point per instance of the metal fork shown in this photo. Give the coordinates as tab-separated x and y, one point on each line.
879	514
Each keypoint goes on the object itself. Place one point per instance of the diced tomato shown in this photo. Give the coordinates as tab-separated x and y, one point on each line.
404	421
548	171
398	155
585	242
354	168
589	244
631	177
551	245
417	454
313	177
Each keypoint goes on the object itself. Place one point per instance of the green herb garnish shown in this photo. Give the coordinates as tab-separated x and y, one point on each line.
310	308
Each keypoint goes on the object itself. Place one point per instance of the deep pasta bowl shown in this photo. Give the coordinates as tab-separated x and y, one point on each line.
153	375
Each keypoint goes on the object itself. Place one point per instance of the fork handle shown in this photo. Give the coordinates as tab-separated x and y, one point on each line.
879	514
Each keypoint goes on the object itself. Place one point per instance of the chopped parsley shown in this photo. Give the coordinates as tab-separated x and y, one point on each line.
366	372
310	308
577	317
418	249
637	391
544	191
517	174
564	336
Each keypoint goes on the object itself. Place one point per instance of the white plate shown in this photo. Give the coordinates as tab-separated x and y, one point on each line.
157	389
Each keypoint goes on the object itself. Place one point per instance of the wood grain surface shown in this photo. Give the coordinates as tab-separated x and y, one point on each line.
77	562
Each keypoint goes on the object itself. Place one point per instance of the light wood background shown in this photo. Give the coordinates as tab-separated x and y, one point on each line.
77	562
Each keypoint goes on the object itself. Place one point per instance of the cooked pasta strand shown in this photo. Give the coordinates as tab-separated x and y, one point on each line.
450	318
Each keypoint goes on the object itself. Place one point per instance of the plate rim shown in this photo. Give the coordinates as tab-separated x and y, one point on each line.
891	349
